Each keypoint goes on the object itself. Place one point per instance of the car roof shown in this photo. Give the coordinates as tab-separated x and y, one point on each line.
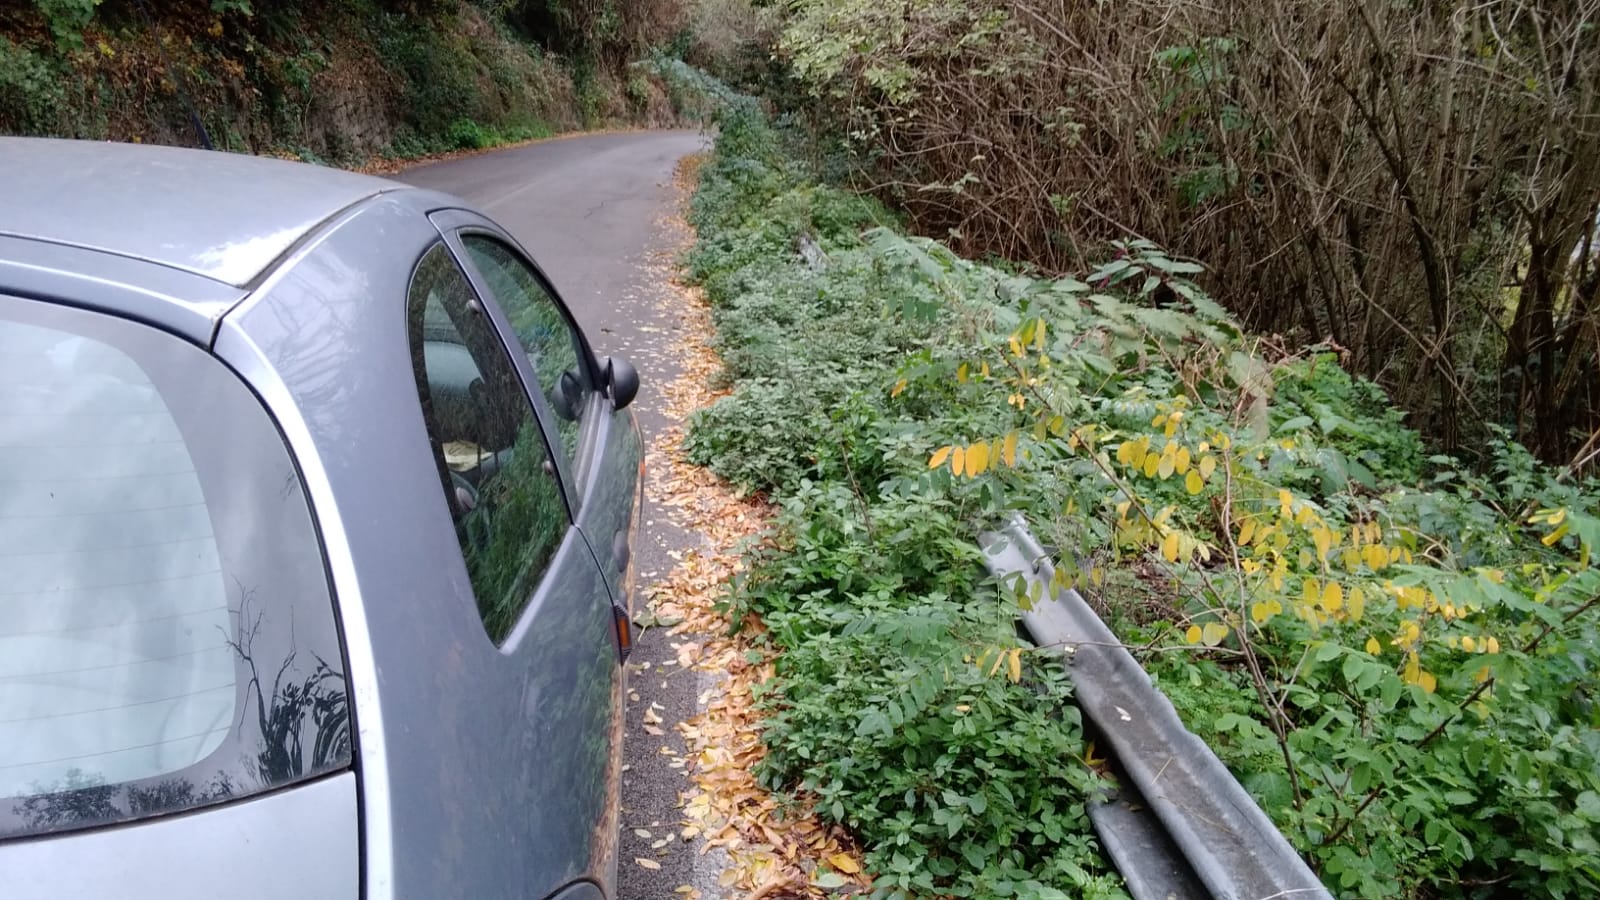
224	216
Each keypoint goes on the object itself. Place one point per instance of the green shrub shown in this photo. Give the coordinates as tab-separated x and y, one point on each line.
1395	654
32	98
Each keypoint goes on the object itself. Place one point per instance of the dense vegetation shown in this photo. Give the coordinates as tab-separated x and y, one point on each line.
1416	184
1394	654
337	82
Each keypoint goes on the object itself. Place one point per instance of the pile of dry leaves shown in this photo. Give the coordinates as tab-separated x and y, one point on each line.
777	848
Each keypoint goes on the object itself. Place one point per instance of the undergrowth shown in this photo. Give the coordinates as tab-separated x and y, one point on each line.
963	780
1394	654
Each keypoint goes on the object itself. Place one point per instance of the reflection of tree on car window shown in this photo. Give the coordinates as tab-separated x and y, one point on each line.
494	464
548	340
508	536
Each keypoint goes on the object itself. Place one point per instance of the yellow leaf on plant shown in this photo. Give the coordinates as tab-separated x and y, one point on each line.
1428	682
1208	464
939	457
1166	465
1260	612
1373	647
899	386
1247	531
1323	538
962	371
1169	546
1193	483
958	461
844	863
1213	633
1193	634
1553	537
1285	503
1468	643
1333	597
1310	591
1016	346
1015	665
977	458
1492	645
1356	603
1180	460
1008	450
1152	462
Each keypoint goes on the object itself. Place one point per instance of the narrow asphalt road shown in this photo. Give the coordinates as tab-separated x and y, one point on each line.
592	210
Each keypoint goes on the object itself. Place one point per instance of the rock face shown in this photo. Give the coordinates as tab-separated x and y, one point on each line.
335	84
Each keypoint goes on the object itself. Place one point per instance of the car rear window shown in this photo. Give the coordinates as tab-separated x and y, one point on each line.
166	630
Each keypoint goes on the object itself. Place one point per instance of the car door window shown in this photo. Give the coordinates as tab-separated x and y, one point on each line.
554	348
494	466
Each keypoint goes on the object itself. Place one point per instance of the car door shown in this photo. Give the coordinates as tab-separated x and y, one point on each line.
598	449
537	587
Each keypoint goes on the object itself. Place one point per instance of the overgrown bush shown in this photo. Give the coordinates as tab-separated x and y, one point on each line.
1394	654
1419	183
30	89
903	703
331	82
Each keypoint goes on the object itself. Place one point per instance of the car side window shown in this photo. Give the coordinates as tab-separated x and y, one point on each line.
493	463
553	346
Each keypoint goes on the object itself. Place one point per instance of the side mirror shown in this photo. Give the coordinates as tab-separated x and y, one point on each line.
622	381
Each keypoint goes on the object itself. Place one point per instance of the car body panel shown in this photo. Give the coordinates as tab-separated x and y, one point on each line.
485	769
299	842
186	305
239	213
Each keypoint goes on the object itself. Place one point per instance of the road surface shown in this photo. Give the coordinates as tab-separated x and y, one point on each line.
590	209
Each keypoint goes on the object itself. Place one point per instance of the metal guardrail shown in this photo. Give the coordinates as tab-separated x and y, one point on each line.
1192	830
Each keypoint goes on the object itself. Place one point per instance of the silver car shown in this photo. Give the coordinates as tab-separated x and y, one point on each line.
315	510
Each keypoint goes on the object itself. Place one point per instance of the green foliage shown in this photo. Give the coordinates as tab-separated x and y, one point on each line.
903	703
31	95
1394	655
67	18
333	82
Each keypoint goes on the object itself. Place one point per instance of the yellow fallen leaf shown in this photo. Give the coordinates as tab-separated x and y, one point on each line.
844	863
647	863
